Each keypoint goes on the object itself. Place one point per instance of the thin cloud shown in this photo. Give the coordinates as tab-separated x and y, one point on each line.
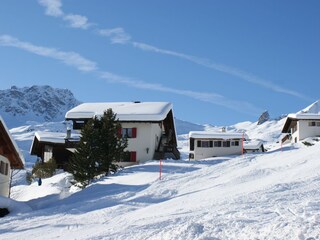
77	21
53	7
116	35
213	98
119	36
69	58
83	64
222	68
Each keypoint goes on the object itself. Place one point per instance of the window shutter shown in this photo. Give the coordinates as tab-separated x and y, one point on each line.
119	132
133	156
134	132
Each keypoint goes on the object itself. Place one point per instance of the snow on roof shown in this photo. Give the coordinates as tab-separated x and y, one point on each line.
310	112
313	108
13	141
126	111
52	137
217	135
301	116
252	145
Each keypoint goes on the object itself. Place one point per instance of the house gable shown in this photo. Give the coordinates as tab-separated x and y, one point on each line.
9	149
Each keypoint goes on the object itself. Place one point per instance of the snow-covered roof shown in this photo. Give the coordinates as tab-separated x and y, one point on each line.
252	145
302	116
126	111
13	143
310	112
217	135
53	137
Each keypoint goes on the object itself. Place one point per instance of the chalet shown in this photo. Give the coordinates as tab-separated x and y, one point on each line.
148	126
47	145
303	124
214	144
253	146
10	158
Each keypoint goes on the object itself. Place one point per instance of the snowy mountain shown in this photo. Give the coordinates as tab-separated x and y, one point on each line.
37	103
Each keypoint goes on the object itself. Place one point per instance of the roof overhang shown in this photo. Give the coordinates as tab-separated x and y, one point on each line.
9	147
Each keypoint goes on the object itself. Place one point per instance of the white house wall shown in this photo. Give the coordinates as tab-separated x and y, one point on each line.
4	179
206	152
295	134
146	141
306	131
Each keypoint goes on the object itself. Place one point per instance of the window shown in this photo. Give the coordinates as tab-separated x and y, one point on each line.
217	144
129	132
235	143
7	169
204	144
4	168
129	157
226	144
191	144
312	124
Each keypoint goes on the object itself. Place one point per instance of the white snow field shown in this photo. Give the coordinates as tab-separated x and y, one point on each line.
275	195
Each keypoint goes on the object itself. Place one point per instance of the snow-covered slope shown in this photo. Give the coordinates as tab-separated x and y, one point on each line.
37	103
258	196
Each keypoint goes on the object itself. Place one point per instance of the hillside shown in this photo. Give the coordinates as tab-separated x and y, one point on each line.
258	196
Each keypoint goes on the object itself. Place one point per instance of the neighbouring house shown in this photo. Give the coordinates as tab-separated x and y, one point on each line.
253	146
47	145
303	124
10	158
214	144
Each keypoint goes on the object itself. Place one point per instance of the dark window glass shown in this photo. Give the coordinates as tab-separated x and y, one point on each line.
226	143
191	144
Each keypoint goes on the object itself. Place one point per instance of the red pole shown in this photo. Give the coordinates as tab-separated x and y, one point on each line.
160	169
242	144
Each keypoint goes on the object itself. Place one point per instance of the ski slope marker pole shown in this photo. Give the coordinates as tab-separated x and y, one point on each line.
160	170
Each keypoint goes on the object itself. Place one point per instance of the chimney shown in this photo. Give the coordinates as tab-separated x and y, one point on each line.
223	129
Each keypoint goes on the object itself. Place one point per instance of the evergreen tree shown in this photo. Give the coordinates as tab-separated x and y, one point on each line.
100	146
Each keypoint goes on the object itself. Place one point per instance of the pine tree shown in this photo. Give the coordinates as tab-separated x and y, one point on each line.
99	148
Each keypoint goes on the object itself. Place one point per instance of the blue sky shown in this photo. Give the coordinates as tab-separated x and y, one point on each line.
218	62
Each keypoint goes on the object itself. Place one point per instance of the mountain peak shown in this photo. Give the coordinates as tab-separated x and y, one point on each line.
35	103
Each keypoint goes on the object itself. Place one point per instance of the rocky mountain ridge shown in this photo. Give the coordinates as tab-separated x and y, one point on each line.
35	103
